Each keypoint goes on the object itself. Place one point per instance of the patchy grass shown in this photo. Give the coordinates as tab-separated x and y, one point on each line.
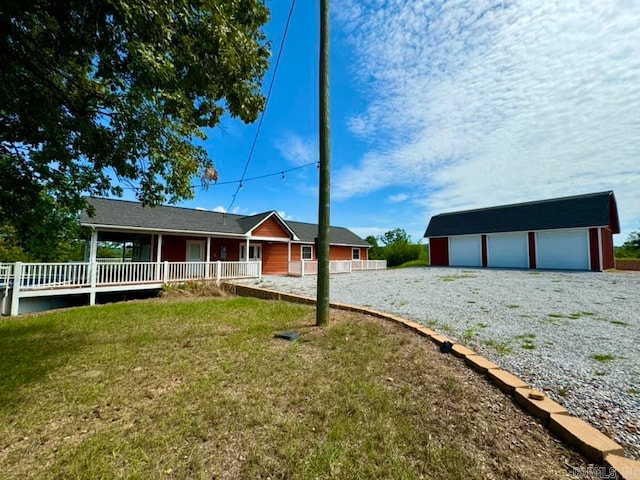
202	389
563	392
619	322
603	357
526	341
502	348
454	277
513	305
412	263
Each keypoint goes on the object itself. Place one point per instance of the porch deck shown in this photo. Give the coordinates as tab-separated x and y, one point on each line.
29	280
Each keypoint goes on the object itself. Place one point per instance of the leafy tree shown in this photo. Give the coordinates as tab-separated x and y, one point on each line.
375	252
398	248
395	236
98	91
630	248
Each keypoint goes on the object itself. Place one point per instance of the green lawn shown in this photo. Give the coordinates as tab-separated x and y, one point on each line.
201	389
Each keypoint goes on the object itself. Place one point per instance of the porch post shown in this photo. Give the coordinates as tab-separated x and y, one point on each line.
246	256
15	293
207	273
158	256
93	267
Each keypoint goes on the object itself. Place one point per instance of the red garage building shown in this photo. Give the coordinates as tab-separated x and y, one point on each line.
572	233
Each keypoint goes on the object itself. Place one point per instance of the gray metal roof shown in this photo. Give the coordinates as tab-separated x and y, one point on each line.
590	210
123	214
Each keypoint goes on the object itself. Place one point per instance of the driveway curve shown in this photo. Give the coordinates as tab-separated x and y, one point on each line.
575	335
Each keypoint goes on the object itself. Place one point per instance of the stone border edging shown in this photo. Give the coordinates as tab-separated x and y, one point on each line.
577	433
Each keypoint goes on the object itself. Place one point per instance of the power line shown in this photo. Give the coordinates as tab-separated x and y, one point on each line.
244	180
273	79
273	174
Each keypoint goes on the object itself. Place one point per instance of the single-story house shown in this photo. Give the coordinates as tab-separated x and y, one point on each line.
572	233
176	234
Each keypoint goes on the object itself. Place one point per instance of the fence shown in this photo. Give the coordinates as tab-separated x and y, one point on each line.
310	267
41	279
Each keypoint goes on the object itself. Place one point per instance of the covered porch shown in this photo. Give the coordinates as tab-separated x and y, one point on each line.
19	281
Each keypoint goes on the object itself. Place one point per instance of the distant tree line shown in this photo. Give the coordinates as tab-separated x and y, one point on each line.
396	248
630	248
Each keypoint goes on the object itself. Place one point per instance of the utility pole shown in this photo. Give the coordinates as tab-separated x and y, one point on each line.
322	305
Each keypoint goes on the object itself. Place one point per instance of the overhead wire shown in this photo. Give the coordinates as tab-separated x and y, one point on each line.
273	79
249	179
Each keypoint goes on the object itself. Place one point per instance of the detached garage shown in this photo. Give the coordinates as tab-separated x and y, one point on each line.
570	233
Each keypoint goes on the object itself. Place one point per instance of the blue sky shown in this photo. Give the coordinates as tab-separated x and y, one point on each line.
443	106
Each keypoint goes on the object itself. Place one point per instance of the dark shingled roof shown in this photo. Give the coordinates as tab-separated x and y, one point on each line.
307	232
123	214
590	210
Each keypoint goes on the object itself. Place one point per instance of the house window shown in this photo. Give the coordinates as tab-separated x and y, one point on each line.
356	254
195	251
307	252
255	252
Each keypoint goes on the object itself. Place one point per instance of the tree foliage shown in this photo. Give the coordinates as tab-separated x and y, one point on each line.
97	92
394	237
630	248
397	248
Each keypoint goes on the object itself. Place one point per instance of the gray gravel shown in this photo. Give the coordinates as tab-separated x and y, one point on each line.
575	335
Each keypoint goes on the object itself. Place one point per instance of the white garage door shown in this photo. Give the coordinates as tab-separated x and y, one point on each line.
465	251
563	250
507	250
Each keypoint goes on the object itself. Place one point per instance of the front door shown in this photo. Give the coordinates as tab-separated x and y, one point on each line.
195	253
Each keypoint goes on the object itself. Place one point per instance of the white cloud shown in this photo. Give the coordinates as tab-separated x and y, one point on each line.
483	103
284	215
297	150
220	209
364	232
400	197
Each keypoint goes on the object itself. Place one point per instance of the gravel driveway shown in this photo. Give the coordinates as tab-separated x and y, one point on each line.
575	335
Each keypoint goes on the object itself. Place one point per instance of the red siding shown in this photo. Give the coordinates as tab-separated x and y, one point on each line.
532	250
232	247
484	250
174	249
340	253
594	249
439	251
271	228
608	260
275	258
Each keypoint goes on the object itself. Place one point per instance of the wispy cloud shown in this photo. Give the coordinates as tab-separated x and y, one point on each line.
399	197
364	232
489	102
297	150
284	215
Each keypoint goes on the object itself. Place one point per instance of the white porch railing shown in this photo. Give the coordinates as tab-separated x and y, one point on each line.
310	267
52	275
36	279
369	265
6	272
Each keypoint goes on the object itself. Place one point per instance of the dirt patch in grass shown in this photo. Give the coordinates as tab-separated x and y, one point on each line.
203	390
